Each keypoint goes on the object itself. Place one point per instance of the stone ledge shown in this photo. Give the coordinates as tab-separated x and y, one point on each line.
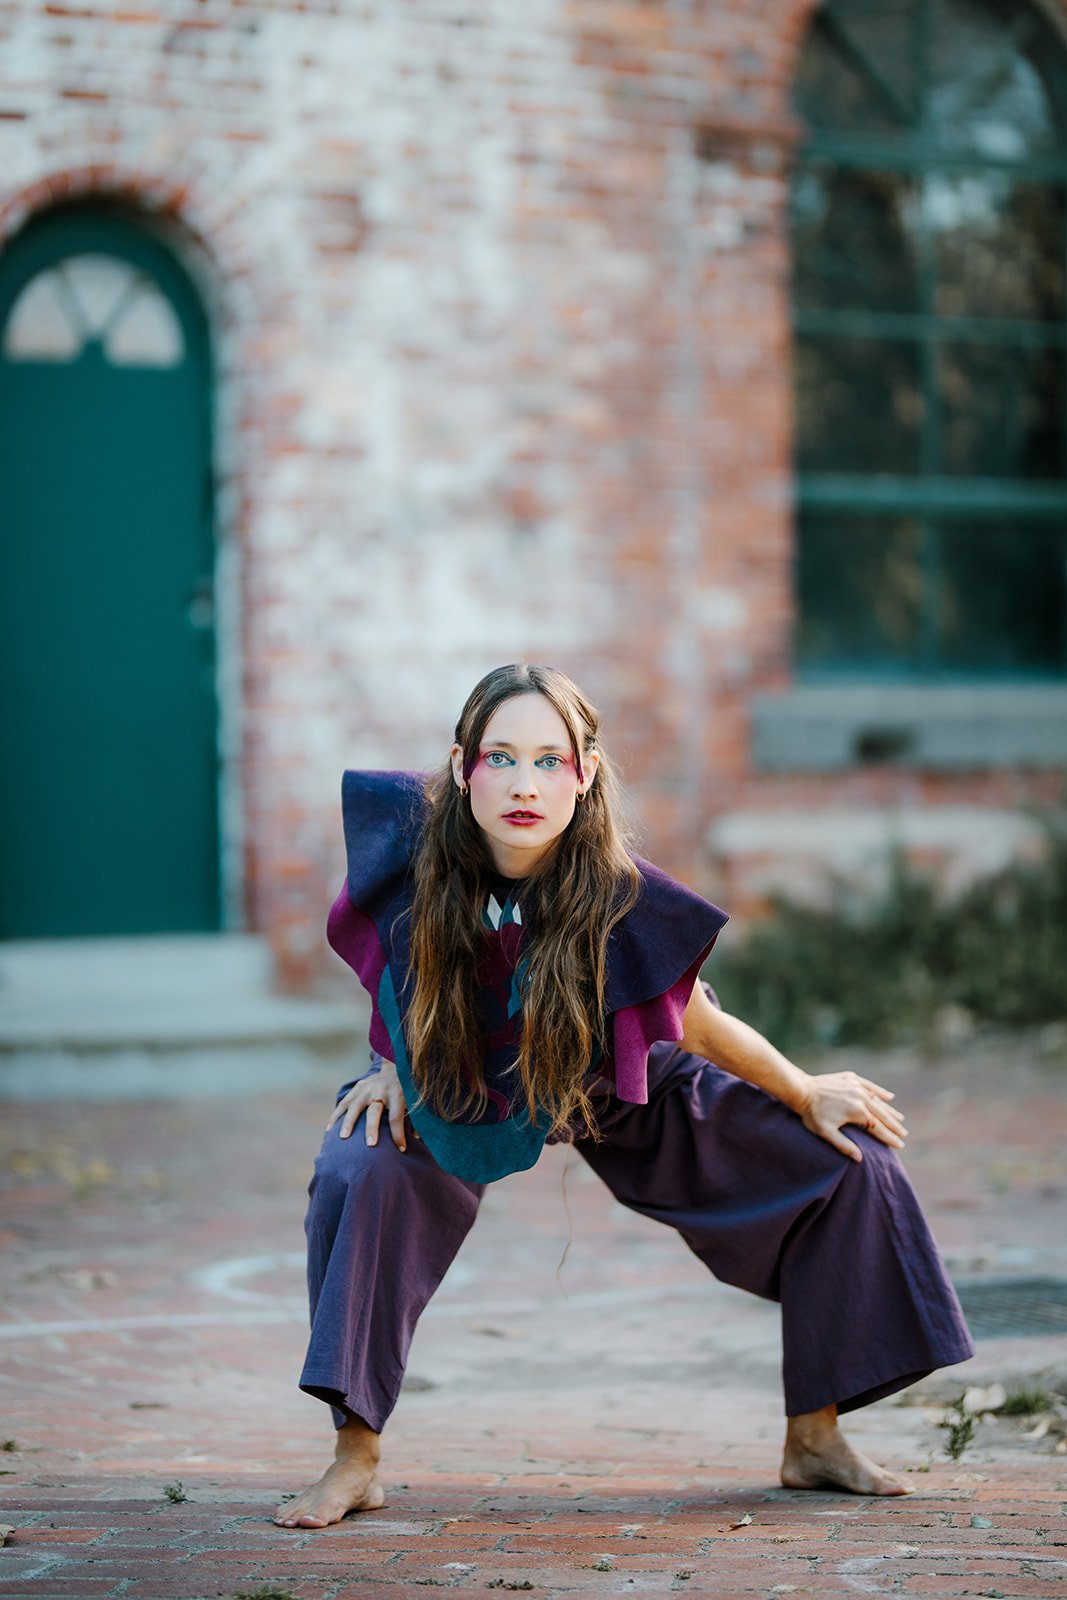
828	728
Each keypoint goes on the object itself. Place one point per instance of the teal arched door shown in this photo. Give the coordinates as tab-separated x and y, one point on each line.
108	745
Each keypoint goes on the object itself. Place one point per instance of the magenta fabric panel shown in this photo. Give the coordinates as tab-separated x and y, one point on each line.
636	1029
354	938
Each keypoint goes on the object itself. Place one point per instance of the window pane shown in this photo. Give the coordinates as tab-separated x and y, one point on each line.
987	89
854	242
999	246
860	584
43	325
98	284
1002	596
147	333
1002	411
857	71
858	405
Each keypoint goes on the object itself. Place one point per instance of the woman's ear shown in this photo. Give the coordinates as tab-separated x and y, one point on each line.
456	758
590	762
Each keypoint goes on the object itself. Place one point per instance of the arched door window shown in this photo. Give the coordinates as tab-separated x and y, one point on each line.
87	297
928	236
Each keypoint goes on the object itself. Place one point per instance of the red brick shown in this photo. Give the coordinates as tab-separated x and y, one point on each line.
34	1536
58	1588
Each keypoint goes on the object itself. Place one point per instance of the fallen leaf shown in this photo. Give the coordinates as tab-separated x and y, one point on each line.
5	1529
981	1522
1040	1428
742	1522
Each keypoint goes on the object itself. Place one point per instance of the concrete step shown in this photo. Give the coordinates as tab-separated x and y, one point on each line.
163	964
165	1018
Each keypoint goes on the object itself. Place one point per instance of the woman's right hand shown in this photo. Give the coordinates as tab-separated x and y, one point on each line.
379	1091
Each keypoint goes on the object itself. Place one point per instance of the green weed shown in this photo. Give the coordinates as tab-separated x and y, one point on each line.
960	1430
1026	1402
886	969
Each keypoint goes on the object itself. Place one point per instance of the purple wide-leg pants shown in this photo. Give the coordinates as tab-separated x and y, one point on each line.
867	1307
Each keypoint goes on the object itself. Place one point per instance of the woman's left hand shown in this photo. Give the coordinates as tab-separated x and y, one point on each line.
835	1098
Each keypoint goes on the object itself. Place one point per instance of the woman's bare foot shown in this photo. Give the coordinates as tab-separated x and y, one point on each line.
818	1456
349	1484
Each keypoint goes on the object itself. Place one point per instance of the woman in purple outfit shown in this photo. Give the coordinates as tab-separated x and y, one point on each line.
532	979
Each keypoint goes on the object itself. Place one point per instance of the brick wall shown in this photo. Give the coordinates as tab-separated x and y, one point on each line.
500	306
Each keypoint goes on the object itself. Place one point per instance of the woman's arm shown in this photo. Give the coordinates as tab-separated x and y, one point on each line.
824	1102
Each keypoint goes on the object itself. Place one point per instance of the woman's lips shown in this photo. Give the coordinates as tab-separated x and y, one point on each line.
522	819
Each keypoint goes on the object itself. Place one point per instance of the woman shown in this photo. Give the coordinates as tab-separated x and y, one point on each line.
531	979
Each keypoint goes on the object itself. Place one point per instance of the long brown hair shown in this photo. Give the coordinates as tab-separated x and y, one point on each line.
570	903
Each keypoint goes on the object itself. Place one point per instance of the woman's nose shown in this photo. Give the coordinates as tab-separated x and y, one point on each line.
523	781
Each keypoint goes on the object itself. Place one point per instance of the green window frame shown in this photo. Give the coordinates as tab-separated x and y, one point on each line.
929	245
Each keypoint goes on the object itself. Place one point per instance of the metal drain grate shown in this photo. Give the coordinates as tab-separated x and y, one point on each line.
1014	1308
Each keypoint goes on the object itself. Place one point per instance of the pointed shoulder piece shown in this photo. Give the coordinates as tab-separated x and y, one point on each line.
382	813
659	939
655	955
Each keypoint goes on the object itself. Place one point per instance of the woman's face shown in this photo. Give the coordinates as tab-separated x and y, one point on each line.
524	783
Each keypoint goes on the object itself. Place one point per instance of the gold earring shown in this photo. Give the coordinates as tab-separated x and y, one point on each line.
464	786
580	795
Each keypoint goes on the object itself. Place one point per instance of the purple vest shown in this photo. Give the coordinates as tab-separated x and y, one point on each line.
654	956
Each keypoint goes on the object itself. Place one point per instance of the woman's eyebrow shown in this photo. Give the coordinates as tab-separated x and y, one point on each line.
502	744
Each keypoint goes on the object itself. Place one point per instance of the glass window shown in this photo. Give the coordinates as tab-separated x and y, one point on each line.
855	240
866	390
987	67
89	298
929	225
861	77
1001	596
998	246
860	594
1002	411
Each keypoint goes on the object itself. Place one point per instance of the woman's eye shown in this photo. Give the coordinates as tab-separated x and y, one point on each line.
496	758
550	763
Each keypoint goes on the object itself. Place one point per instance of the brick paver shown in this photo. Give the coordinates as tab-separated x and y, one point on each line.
605	1431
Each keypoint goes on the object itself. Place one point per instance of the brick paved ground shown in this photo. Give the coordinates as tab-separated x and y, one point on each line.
602	1432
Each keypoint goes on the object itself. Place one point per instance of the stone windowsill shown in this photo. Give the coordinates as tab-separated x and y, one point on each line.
829	728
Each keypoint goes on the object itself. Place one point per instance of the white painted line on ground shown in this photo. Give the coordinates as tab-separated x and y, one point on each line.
293	1311
177	1319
